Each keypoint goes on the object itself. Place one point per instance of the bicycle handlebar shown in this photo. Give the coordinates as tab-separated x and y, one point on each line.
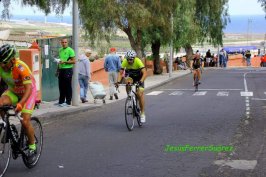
7	107
135	84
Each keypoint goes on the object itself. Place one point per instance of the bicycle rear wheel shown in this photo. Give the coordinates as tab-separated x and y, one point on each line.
129	114
196	83
5	150
38	136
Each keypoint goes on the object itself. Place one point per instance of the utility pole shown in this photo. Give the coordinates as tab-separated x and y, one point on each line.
75	28
264	44
218	57
249	30
170	63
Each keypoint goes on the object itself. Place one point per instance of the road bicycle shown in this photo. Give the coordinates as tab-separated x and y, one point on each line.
132	108
196	83
13	139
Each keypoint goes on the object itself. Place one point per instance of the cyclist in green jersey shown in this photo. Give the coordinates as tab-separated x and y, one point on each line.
134	68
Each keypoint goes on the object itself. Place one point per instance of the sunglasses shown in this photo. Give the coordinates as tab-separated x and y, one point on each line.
3	63
63	42
130	59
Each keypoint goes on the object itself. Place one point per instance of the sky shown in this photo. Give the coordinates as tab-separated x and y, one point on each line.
236	7
245	7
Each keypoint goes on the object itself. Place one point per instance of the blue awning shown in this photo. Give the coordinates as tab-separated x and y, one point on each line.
239	49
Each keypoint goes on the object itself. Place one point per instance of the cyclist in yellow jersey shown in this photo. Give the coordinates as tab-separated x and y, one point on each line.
134	68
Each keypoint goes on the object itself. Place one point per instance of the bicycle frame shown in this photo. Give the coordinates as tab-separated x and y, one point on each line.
130	91
16	142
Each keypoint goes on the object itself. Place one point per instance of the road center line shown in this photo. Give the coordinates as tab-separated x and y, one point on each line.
247	95
204	89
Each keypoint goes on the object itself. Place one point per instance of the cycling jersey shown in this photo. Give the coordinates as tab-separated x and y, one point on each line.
196	63
133	70
19	75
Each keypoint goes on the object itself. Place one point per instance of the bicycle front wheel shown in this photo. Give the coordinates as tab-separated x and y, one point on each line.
5	150
129	114
38	136
137	111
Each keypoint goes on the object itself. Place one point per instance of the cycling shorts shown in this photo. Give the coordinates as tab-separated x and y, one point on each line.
136	80
196	67
30	103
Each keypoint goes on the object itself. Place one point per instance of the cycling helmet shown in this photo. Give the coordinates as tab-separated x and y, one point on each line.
7	52
130	54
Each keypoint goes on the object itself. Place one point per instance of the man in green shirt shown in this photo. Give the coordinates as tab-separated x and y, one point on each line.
65	66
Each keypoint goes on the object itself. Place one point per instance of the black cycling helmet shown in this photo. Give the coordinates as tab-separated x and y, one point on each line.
7	52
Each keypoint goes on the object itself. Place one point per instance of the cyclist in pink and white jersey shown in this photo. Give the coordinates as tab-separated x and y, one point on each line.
21	90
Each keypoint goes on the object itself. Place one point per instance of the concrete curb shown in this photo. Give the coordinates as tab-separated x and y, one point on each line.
64	113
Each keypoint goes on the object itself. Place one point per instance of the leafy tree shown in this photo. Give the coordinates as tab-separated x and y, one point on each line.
202	21
147	22
47	6
263	4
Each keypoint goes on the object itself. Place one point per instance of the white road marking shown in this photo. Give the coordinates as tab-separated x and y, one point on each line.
238	164
258	99
205	89
199	93
246	94
245	83
222	93
155	93
177	93
265	93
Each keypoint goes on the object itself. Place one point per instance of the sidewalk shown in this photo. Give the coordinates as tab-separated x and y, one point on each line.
50	109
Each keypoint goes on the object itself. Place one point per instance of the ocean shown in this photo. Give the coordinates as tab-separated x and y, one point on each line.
239	23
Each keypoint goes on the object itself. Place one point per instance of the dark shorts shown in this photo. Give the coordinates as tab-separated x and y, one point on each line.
136	79
196	67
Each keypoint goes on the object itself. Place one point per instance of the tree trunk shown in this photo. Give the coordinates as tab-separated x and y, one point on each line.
135	43
155	47
189	54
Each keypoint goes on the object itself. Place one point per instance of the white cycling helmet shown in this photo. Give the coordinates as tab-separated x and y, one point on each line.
130	54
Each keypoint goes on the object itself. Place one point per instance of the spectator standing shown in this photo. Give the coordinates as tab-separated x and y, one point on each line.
84	74
112	65
221	58
225	58
65	68
248	57
208	58
166	59
263	61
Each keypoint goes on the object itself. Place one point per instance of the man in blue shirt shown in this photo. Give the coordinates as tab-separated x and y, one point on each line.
112	65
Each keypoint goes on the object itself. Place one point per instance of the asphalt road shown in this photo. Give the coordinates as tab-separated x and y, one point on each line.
97	144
